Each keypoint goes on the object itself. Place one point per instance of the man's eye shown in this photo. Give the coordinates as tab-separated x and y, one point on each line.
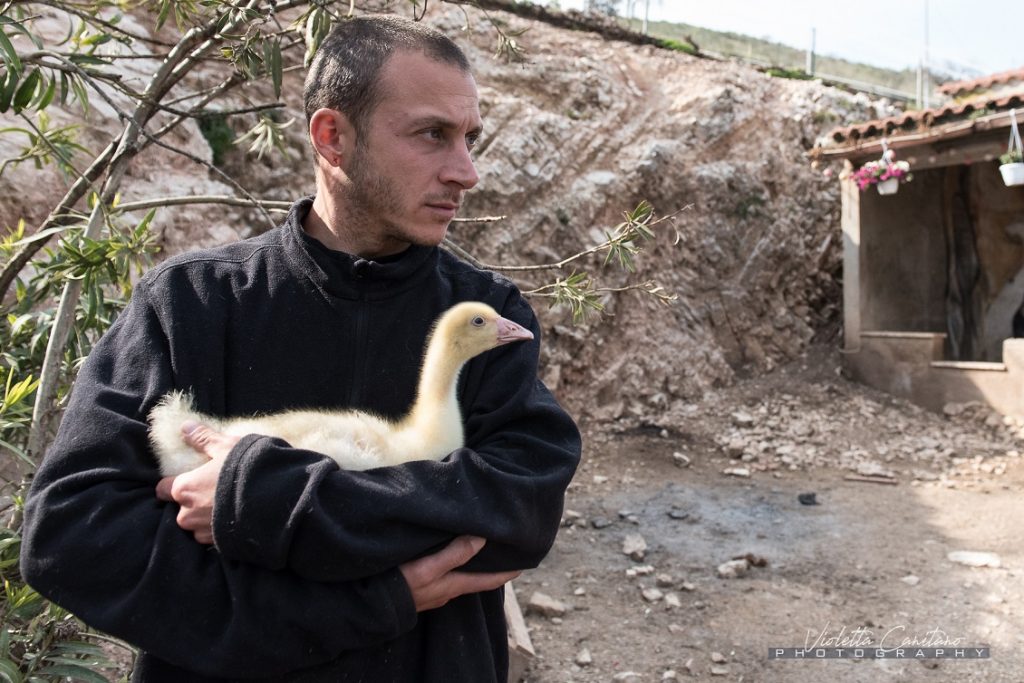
471	140
433	133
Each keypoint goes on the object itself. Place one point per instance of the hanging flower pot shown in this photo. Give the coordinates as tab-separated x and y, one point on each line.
1013	174
886	173
1012	168
889	186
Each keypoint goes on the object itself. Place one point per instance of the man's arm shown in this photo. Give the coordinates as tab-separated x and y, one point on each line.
98	542
507	486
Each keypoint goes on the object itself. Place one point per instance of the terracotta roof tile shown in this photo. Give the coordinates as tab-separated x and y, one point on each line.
918	120
955	88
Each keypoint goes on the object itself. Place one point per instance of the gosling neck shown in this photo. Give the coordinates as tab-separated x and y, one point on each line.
436	410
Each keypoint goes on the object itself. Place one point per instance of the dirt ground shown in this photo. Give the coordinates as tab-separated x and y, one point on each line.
868	563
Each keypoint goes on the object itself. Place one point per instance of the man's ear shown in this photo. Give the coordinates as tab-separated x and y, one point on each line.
332	135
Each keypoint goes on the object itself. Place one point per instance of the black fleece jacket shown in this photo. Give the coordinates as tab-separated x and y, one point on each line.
302	584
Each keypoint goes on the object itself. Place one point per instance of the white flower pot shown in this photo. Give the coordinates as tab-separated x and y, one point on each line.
889	186
1013	174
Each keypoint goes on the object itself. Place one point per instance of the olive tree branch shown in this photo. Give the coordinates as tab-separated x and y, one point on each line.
166	76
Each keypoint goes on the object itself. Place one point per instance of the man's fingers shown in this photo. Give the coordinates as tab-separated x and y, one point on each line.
207	441
197	436
468	582
456	584
163	489
433	581
455	554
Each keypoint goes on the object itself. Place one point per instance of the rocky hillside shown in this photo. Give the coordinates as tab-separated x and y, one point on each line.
585	130
582	131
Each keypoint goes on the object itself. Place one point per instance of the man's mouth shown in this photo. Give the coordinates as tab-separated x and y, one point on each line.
444	210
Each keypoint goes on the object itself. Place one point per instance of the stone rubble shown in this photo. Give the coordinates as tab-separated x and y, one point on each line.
634	546
974	559
546	606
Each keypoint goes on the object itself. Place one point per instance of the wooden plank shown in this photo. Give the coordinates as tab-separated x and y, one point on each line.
870	480
520	647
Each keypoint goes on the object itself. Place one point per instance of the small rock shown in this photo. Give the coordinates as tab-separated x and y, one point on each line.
808	498
689	666
953	409
664	580
874	469
672	601
733	569
600	522
736	448
546	606
670	675
678	513
652	594
629	676
600	479
680	459
737	471
718	658
742	419
753	560
974	559
687	586
911	580
580	591
719	670
584	658
635	546
643	569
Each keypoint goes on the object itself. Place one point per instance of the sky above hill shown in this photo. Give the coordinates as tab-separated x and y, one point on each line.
982	36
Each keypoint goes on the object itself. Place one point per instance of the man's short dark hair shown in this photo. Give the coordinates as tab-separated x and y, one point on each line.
344	74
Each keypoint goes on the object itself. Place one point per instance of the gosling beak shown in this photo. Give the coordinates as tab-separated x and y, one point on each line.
509	331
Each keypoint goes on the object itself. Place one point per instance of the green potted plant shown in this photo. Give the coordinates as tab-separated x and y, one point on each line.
1012	167
1012	163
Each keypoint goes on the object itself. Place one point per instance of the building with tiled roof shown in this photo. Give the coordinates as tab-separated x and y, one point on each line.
934	274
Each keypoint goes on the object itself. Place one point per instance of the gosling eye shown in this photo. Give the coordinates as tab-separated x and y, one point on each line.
477	321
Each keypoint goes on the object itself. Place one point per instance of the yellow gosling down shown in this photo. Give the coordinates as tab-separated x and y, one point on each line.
354	439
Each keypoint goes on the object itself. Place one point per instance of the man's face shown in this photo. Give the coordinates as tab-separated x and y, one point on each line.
412	160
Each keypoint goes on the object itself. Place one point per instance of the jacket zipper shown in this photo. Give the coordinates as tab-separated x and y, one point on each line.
356	390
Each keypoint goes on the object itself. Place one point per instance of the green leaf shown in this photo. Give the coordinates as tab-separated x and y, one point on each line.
19	322
5	643
78	647
47	98
41	235
9	671
7	92
75	673
10	55
80	94
19	453
165	11
27	90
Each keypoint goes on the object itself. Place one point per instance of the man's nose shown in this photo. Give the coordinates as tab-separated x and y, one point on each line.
460	168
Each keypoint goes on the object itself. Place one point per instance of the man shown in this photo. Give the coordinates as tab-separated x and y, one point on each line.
268	562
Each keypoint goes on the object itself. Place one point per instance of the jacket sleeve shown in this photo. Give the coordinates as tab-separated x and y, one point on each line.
98	542
507	485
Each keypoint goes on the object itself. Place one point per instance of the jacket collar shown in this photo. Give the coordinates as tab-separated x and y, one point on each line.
348	276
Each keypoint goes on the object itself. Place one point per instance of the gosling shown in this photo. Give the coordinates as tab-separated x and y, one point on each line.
359	440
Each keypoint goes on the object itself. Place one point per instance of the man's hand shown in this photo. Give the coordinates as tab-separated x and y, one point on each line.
194	491
433	581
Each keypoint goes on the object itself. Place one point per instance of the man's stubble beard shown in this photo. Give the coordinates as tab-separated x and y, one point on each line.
371	196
